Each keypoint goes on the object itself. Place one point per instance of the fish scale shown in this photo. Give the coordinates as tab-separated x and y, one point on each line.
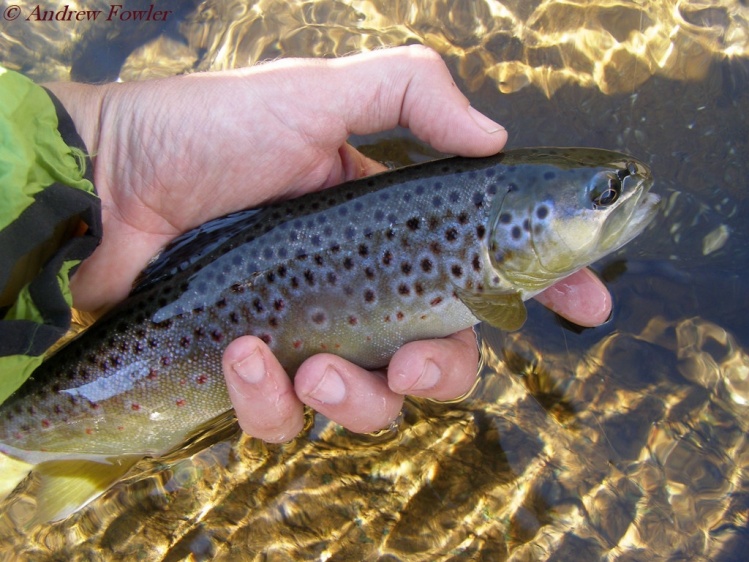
356	270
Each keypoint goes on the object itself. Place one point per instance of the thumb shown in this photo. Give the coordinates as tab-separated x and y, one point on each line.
412	87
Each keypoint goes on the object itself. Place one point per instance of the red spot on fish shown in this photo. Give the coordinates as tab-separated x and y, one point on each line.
45	424
323	346
399	315
181	402
353	320
120	428
182	382
435	301
135	407
152	374
166	361
89	431
202	379
217	335
387	318
297	344
266	338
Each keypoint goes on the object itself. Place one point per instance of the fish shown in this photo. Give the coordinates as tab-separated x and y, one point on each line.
357	270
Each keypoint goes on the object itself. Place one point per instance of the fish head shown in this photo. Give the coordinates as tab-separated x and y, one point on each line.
569	208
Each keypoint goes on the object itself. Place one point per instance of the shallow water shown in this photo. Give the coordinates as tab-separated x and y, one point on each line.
624	442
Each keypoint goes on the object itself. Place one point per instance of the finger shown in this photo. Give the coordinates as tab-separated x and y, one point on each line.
261	392
442	369
349	395
351	166
581	298
412	87
375	91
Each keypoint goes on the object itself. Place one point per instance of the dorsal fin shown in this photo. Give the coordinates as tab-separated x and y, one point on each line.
190	247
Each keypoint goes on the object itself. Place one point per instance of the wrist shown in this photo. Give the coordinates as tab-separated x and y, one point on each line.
83	103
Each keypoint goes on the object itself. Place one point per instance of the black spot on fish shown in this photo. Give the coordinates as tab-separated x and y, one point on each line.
387	257
435	248
335	248
221	303
348	263
549	175
516	232
505	218
542	212
369	295
332	278
309	277
369	272
318	259
418	288
389	234
480	231
436	202
453	197
478	199
413	223
404	289
451	234
363	250
476	263
527	225
217	335
349	232
258	306
426	265
492	189
456	270
406	267
463	218
199	331
319	317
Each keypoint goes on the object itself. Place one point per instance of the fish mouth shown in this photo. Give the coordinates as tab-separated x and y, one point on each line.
631	217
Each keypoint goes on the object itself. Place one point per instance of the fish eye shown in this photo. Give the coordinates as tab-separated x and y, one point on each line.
606	192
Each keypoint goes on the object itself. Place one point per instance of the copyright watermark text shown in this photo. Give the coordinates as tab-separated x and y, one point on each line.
114	12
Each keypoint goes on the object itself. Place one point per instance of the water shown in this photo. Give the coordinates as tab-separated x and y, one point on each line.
624	442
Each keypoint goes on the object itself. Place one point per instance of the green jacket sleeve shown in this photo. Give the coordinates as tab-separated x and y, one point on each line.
50	220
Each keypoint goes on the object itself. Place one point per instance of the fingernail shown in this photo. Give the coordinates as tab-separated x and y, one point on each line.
429	376
330	389
251	369
483	121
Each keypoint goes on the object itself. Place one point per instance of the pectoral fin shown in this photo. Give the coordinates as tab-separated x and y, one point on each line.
505	311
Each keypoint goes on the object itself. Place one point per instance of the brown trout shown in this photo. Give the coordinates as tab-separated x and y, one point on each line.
357	270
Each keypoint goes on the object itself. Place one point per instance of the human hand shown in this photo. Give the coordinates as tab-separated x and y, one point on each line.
171	154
